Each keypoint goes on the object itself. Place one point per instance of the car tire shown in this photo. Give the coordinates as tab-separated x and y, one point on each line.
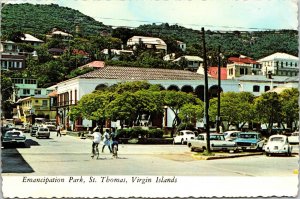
182	141
267	154
189	145
192	149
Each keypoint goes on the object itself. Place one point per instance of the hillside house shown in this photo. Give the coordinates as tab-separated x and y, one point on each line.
147	42
189	62
281	64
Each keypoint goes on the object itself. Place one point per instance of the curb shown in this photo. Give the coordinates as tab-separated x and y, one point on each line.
223	157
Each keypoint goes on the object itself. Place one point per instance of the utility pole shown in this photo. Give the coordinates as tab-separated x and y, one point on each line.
218	119
206	100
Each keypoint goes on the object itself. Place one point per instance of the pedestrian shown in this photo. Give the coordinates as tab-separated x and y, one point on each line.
58	131
106	140
97	138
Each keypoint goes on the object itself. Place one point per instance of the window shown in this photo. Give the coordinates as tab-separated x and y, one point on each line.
296	64
45	102
286	64
267	88
36	101
255	88
281	64
37	92
26	91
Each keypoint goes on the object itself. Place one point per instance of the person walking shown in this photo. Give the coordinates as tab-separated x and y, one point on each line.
106	140
58	131
96	140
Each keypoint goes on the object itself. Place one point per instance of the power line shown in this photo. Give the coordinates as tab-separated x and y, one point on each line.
183	24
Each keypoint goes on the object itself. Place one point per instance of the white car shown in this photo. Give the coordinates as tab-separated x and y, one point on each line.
231	135
294	138
278	144
43	132
183	136
217	143
51	126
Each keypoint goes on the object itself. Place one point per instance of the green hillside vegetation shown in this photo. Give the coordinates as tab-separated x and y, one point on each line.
40	19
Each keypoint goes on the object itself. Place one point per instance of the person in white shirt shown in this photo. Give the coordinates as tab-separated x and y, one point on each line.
106	140
96	140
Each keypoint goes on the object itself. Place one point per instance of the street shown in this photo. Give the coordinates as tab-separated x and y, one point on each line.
69	155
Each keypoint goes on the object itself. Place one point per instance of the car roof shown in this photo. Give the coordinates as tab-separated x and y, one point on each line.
250	132
278	136
14	131
186	131
211	134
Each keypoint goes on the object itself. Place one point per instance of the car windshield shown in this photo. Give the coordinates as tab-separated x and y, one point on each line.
189	133
277	139
11	133
248	136
217	137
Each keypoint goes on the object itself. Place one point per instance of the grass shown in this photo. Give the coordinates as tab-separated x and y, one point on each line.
205	153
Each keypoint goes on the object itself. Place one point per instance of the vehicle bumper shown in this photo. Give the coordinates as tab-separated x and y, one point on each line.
223	148
247	147
43	134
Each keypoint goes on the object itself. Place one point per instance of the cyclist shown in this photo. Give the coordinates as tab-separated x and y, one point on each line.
114	142
97	138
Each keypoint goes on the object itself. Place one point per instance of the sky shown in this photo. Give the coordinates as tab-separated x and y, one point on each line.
210	14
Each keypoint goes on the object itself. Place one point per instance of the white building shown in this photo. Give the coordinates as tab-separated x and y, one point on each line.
115	54
191	62
148	42
181	45
280	64
258	84
70	91
31	40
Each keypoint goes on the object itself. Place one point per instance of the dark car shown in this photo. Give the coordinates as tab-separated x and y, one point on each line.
33	130
13	137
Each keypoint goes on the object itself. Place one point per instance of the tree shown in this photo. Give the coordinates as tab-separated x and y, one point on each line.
236	108
175	100
289	99
6	93
190	113
267	107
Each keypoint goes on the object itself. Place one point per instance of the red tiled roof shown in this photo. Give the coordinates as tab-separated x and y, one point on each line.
53	94
213	71
94	64
239	60
79	52
134	73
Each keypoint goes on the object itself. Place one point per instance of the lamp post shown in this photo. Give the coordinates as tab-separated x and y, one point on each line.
218	119
206	100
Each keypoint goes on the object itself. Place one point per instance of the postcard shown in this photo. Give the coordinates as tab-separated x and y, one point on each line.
150	99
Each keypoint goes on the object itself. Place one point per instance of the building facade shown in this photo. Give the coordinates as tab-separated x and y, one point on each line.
281	64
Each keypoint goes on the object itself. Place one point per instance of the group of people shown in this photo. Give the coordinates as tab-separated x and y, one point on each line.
109	139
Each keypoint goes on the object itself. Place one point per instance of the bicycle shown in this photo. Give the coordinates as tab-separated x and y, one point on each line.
95	150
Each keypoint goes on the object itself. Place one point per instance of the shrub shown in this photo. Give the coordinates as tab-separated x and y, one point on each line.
155	133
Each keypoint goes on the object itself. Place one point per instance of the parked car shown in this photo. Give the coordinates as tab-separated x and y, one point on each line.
250	141
278	144
294	138
13	137
51	126
231	135
217	143
43	132
33	130
183	136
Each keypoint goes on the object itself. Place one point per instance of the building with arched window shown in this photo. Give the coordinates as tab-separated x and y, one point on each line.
70	91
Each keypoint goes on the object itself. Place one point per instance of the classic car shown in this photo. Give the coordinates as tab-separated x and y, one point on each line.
278	144
43	132
294	138
217	143
250	141
13	137
183	136
231	135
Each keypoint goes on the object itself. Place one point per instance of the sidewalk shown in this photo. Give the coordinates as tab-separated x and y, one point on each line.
225	155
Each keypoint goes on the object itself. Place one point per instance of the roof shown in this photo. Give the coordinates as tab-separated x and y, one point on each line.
53	94
279	56
190	58
79	52
213	72
31	38
35	97
94	64
58	32
278	89
134	73
242	60
262	78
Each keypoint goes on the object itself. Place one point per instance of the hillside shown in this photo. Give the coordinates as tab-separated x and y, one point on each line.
255	44
40	19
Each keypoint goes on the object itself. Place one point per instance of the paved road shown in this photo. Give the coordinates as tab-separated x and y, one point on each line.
68	155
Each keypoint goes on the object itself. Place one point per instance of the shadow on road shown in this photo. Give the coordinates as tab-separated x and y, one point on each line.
30	142
13	162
